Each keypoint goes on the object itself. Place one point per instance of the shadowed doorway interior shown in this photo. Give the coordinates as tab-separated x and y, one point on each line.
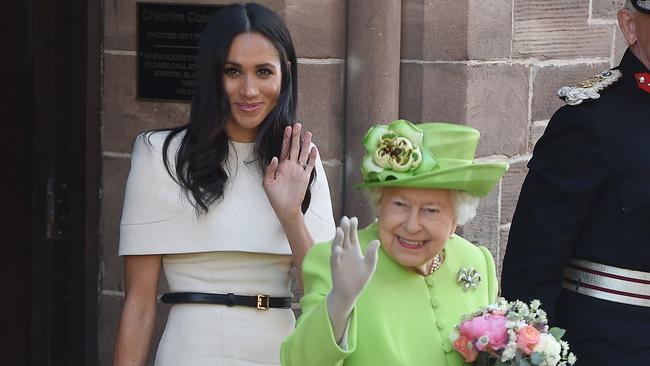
50	108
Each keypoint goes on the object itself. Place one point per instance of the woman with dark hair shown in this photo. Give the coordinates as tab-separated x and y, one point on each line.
227	204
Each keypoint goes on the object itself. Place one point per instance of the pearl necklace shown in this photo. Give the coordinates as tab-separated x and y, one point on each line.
437	262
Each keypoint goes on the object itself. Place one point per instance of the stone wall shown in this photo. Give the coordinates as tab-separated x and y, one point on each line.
496	65
491	64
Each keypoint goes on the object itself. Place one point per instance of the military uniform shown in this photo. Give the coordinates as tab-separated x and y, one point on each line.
580	236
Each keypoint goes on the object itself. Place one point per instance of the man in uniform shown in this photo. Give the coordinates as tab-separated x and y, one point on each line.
580	236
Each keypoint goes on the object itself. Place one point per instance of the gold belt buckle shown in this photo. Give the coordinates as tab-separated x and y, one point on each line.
262	302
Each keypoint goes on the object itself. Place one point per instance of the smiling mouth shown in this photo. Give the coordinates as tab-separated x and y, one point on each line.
248	107
410	244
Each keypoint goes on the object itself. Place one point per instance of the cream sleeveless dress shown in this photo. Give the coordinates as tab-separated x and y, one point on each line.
238	247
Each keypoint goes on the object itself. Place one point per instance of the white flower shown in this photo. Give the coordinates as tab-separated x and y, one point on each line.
572	359
483	341
521	325
549	348
512	336
565	348
509	352
453	335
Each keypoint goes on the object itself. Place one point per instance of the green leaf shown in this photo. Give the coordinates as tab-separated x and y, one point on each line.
428	162
407	129
388	174
368	166
536	358
371	140
557	333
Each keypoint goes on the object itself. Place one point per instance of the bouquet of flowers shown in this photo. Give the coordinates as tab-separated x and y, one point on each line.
510	334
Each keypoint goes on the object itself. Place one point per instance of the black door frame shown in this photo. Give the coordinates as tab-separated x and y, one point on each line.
66	46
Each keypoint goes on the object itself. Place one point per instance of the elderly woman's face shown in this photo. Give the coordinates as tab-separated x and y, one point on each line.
414	224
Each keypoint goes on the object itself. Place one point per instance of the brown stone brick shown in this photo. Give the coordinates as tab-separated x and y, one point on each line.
497	103
434	30
372	83
334	171
557	29
444	93
456	30
510	188
605	8
620	45
110	311
484	229
321	106
412	29
115	172
410	93
536	131
547	80
490	97
120	19
489	29
317	27
124	117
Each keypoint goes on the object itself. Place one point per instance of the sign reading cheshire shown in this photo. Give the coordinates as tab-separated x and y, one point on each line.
168	38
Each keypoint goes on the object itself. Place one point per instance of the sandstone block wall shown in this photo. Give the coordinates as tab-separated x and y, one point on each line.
491	64
496	65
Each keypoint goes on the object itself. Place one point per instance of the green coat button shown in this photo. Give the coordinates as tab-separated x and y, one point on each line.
447	347
435	302
430	281
441	323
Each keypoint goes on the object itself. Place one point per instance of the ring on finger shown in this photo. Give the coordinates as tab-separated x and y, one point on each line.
303	165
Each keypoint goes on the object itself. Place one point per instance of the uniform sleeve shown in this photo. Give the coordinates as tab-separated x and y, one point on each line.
567	169
319	217
312	342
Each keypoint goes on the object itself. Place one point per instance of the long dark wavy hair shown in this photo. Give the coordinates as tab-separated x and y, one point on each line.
203	151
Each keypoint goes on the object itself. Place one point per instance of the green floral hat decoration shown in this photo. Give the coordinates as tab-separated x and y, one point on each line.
427	155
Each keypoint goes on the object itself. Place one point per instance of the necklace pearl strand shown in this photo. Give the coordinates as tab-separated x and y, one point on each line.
436	263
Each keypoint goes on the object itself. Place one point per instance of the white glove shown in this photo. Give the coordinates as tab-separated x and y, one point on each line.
351	271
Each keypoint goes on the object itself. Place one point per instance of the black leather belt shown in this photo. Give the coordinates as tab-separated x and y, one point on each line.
261	302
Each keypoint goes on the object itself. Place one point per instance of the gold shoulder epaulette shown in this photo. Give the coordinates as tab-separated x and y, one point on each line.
590	88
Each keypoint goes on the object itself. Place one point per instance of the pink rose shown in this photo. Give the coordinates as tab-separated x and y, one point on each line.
465	347
489	325
527	338
497	332
474	328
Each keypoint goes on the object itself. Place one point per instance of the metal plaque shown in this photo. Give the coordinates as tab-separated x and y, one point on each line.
168	38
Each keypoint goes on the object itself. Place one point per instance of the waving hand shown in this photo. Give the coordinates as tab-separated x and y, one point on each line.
351	271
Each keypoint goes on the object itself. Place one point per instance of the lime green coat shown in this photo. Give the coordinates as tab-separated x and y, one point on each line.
401	318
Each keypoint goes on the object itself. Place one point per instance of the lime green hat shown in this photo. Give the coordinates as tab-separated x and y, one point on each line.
427	155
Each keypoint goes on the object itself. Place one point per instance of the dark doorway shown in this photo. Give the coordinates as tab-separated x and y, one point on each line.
50	107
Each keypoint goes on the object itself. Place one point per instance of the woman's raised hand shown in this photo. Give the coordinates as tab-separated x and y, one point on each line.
286	180
351	271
